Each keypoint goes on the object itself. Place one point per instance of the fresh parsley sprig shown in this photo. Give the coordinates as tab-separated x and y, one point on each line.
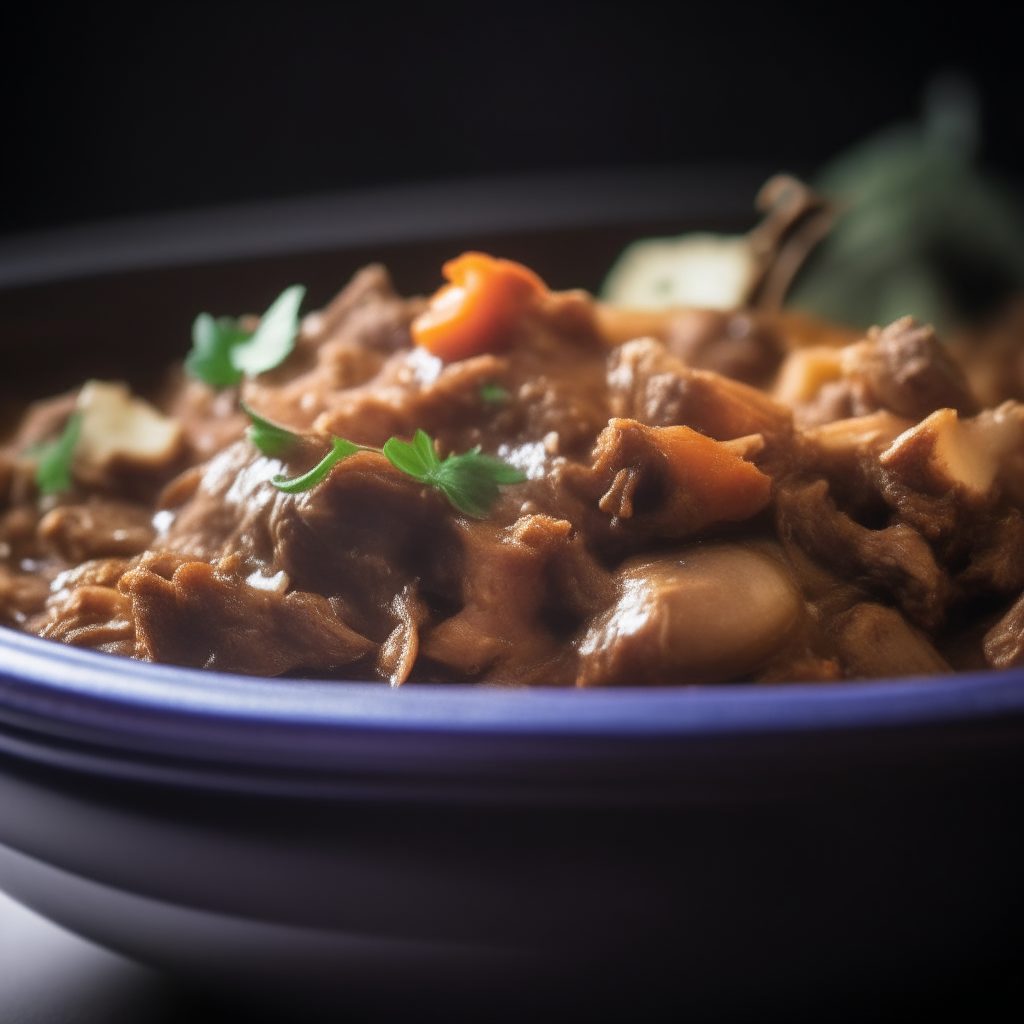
469	481
53	460
222	351
271	439
340	449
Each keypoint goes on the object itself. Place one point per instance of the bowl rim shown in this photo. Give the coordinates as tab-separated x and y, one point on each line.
58	698
50	682
104	717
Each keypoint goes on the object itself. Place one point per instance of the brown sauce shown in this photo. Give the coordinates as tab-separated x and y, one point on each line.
710	497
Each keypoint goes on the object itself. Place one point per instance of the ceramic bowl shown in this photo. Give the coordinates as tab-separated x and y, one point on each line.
456	849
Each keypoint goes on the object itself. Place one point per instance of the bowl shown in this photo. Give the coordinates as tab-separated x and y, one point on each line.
454	850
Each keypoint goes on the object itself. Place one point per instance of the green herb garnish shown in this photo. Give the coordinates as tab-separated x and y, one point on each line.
53	465
212	342
222	351
340	449
493	394
268	437
469	481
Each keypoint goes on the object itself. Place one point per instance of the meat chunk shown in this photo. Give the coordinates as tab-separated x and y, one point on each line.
1004	642
703	615
996	559
22	594
92	616
846	453
502	633
873	641
903	368
672	481
360	538
43	421
947	476
95	529
895	561
736	344
647	383
18	539
210	419
338	349
211	616
413	390
367	313
943	453
552	386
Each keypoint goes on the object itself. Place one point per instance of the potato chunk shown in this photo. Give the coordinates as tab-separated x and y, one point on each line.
705	615
942	452
119	428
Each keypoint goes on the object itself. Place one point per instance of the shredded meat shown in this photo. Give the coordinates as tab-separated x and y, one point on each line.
903	368
708	497
1004	642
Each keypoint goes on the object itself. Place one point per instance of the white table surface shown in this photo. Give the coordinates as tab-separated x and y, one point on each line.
49	976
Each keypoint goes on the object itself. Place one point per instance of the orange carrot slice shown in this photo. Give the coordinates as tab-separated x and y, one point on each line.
478	310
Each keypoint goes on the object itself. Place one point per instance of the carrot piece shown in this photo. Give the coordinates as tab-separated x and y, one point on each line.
477	311
702	481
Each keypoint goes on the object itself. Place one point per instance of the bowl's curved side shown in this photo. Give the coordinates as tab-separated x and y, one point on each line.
117	717
902	873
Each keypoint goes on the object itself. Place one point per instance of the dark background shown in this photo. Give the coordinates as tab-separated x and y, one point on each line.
117	109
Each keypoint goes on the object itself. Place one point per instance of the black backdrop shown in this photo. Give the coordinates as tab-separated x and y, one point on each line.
118	109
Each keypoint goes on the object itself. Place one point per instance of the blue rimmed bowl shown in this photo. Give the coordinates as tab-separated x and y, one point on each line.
450	849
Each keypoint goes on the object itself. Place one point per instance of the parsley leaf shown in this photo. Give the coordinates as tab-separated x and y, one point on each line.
493	394
274	339
418	459
274	440
469	481
53	468
222	351
268	437
212	342
340	449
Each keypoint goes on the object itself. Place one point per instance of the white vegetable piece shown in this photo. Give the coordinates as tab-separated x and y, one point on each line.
704	615
942	452
117	427
710	271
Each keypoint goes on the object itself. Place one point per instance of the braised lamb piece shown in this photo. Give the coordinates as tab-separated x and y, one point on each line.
675	498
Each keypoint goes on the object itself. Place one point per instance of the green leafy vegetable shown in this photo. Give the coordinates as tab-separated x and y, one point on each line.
922	229
212	342
493	394
340	449
469	481
53	465
222	351
268	437
417	459
274	339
